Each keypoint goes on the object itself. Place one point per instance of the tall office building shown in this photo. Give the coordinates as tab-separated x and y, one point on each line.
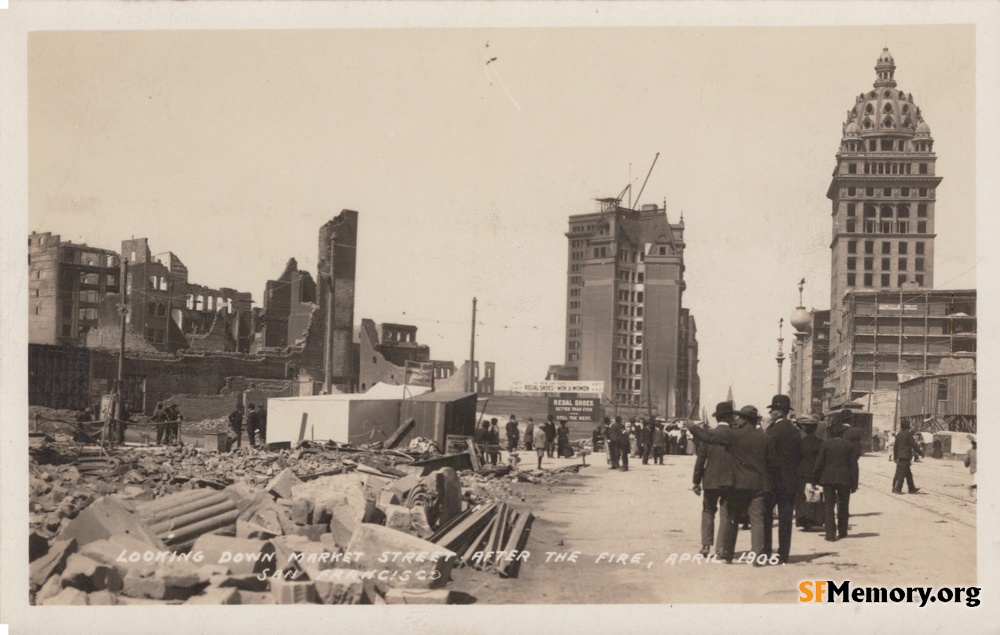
624	324
883	194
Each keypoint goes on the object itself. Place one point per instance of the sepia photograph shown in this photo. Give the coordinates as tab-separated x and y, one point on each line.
613	315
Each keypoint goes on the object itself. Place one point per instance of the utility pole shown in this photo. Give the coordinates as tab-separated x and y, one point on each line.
780	357
118	398
328	349
472	351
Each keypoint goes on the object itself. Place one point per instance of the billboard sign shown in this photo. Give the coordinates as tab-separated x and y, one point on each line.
587	387
575	408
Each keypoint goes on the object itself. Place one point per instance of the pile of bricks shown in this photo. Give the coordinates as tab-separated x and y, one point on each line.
182	525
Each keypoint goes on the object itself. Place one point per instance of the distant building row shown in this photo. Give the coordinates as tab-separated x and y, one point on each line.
186	338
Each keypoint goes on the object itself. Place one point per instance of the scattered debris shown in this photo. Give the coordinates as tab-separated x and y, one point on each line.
181	524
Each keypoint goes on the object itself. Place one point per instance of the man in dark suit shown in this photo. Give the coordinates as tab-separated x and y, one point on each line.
647	440
785	475
713	470
836	470
904	449
550	435
809	446
752	454
616	433
851	433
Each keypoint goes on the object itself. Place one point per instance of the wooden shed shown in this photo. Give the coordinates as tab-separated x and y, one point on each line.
935	403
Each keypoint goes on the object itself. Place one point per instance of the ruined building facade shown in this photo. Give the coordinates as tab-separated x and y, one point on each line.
171	313
66	284
625	283
289	303
188	339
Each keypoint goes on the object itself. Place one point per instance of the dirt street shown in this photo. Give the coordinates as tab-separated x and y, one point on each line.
645	515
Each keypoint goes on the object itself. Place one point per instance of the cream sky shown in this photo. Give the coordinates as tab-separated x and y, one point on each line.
465	150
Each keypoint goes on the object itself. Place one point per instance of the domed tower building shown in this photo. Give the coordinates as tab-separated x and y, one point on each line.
883	194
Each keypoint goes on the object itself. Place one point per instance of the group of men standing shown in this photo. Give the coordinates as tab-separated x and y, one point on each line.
749	474
256	423
168	419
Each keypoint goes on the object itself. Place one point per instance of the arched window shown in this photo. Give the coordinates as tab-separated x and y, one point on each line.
869	109
887	108
886	211
887	122
870	211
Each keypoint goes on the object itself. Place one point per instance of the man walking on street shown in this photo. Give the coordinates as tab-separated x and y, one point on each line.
785	476
836	470
647	440
622	443
659	443
752	455
538	439
806	514
513	434
904	449
550	435
529	434
713	472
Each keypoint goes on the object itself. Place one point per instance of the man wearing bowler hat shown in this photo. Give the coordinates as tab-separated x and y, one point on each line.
713	470
836	469
785	475
807	514
751	453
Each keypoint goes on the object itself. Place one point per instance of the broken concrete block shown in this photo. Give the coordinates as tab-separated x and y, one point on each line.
348	511
88	575
52	562
241	556
247	529
216	595
264	512
302	511
38	546
69	596
107	517
309	556
419	524
293	591
312	532
418	596
388	496
150	583
281	485
340	591
397	517
251	582
121	552
210	572
52	587
428	567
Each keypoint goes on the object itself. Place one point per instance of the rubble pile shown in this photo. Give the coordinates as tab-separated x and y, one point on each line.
321	523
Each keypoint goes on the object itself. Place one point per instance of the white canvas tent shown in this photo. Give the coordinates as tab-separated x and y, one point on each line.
349	418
